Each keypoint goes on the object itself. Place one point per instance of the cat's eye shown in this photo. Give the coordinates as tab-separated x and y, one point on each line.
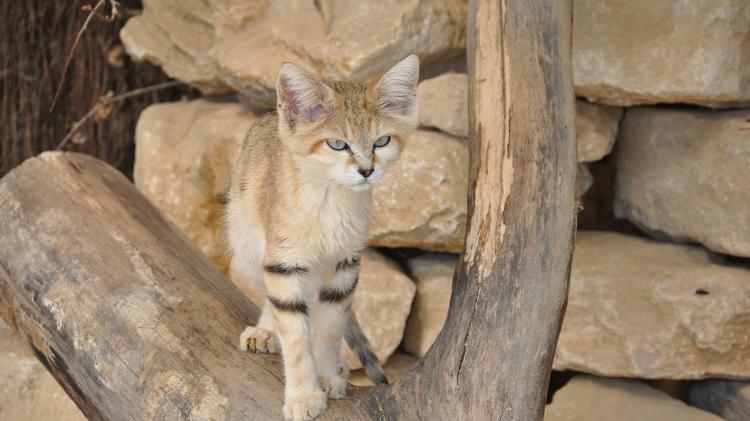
382	141
336	145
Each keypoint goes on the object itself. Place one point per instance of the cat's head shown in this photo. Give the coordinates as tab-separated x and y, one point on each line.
347	133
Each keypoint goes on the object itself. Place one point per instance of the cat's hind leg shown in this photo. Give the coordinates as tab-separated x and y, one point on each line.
330	323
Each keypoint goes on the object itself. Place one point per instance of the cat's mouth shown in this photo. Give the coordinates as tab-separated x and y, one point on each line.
361	185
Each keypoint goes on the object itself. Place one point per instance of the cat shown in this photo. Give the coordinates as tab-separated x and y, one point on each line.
297	215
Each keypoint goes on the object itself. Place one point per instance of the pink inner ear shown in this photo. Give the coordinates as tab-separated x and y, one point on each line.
316	112
289	99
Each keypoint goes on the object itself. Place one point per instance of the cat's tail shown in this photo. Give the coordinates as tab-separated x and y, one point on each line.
358	343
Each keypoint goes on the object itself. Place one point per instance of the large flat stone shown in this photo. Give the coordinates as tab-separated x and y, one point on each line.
183	158
150	37
628	52
433	275
647	309
587	398
423	204
684	174
443	104
240	45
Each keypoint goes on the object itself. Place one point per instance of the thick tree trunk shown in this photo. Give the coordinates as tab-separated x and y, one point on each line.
136	324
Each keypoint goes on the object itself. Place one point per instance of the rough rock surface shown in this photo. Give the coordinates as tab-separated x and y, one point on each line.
240	45
641	308
443	105
176	37
397	366
184	154
728	398
423	204
685	174
628	52
433	275
27	390
587	398
382	302
596	130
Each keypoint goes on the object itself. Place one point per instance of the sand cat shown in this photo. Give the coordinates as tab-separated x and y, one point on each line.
297	216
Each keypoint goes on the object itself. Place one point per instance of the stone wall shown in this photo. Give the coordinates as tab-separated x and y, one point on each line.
660	87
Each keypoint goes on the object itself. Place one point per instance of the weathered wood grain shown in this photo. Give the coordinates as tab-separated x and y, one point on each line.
136	324
126	313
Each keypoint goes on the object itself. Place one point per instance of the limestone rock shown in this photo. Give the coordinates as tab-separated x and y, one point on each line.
355	39
423	202
238	44
433	275
596	130
728	398
184	154
587	398
382	302
628	52
254	75
443	103
27	390
395	368
641	308
685	174
231	16
166	35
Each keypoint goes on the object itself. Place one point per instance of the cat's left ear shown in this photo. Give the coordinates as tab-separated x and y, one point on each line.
397	89
301	98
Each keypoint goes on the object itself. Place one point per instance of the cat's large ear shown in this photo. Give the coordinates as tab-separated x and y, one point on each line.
397	89
300	97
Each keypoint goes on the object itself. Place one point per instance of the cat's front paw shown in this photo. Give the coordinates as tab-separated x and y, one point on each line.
259	340
305	407
334	386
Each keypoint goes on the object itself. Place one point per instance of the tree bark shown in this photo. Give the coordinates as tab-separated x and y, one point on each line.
136	324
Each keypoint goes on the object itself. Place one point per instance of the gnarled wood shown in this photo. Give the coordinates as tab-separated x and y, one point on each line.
136	324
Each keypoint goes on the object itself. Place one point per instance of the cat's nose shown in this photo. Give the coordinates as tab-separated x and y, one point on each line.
366	172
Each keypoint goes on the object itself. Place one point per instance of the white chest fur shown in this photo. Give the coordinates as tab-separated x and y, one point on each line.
333	223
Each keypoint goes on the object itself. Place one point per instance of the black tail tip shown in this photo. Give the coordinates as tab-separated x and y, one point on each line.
381	379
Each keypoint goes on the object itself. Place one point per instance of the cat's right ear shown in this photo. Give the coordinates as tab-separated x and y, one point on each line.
397	89
300	98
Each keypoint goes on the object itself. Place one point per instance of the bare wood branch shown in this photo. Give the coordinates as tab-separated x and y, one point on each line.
103	101
72	50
